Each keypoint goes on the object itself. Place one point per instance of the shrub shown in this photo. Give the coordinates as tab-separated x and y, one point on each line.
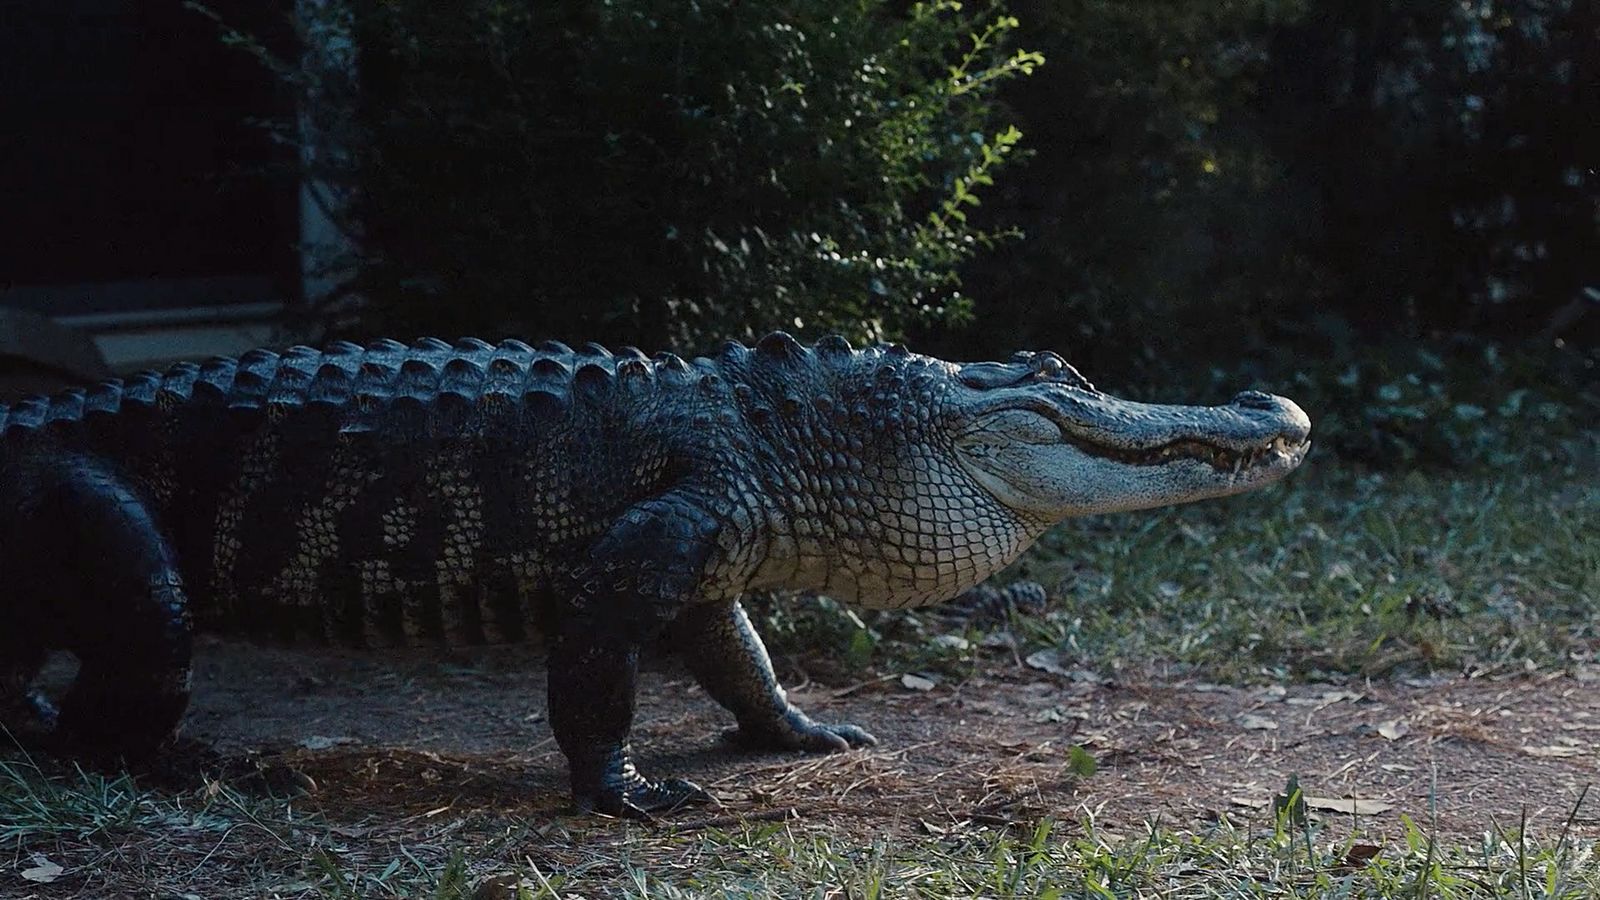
660	172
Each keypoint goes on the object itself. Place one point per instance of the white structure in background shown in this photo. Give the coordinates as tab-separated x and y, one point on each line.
327	244
149	322
152	338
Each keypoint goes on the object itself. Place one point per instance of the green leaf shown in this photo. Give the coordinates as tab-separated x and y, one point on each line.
1081	762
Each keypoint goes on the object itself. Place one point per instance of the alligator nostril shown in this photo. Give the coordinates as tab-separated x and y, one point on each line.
1255	400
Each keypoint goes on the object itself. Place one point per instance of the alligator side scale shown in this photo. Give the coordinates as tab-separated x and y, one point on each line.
469	493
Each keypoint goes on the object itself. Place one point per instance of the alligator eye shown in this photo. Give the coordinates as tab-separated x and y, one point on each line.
1053	368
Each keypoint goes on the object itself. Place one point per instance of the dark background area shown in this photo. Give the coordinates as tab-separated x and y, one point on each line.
129	153
1304	174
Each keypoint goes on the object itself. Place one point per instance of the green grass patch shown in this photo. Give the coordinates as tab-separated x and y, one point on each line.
1050	859
213	841
1339	570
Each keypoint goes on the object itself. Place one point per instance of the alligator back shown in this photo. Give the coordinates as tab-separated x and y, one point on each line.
382	494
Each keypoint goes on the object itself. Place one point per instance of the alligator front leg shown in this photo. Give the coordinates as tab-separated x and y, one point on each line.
638	576
591	711
727	657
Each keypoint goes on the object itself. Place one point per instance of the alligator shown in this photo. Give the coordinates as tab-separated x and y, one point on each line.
457	494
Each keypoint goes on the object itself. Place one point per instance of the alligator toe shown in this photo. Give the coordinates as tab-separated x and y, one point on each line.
799	731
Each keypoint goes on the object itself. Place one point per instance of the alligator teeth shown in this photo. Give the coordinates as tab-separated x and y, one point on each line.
1220	458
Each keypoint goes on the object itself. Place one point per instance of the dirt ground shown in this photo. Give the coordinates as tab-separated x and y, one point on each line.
385	738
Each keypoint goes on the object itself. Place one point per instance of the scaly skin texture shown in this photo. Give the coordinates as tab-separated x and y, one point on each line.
471	493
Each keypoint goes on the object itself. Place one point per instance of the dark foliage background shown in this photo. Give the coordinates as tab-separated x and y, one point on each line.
659	172
1388	207
1260	169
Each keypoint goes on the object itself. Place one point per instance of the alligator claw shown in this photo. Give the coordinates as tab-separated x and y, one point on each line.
798	731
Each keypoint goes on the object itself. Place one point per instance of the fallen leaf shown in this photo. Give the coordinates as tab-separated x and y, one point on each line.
504	886
1393	730
319	742
1359	855
1349	805
917	682
951	642
1052	661
1554	752
1048	661
1326	698
1251	722
43	871
1095	739
1250	802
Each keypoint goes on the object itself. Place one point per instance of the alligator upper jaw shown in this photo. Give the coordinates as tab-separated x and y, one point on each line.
1255	431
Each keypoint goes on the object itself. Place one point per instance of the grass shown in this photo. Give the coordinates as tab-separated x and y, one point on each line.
112	838
33	808
1076	860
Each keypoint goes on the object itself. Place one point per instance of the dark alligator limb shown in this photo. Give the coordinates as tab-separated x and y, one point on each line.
91	574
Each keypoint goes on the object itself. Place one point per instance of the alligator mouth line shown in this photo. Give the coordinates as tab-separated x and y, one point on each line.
1220	458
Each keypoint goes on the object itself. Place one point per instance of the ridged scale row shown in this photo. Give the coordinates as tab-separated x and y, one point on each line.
389	373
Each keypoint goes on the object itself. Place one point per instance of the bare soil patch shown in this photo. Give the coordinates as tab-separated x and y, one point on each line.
374	738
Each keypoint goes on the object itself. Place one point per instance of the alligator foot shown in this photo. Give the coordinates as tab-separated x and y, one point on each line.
727	657
28	719
798	731
632	796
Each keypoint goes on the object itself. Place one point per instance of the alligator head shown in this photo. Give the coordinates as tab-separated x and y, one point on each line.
909	479
1046	444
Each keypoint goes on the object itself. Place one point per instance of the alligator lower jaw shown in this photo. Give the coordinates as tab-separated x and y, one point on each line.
1222	459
